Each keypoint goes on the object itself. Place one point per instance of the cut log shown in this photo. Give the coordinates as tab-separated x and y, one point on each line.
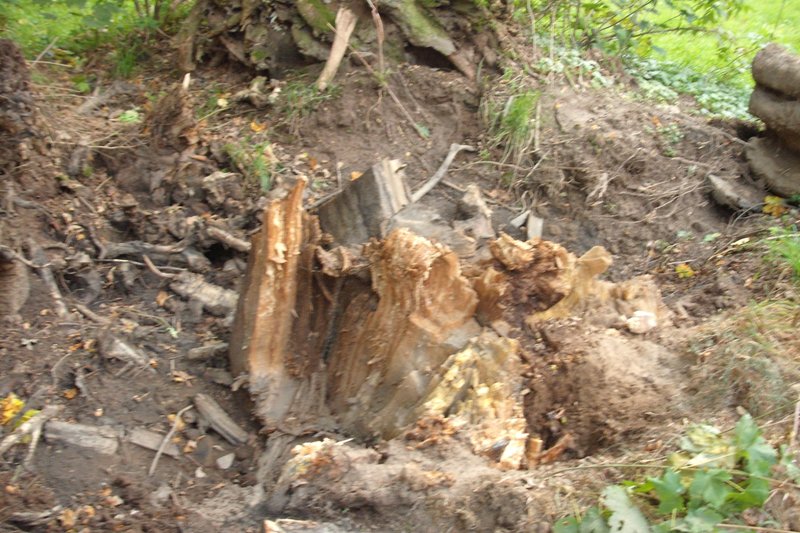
363	208
778	69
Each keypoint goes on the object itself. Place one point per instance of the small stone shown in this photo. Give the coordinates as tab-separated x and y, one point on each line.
226	461
199	473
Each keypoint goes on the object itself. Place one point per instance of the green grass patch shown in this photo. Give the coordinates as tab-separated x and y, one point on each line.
725	53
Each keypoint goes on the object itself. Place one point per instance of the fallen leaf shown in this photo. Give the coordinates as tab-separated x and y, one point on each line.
684	271
180	376
773	205
161	298
67	518
312	163
10	406
70	394
354	175
258	127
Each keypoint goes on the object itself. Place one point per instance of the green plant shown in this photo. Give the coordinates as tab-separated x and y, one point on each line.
713	479
257	163
512	120
299	97
784	246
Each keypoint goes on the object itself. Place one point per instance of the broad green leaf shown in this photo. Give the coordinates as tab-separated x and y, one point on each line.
710	486
566	525
702	520
669	490
625	516
759	456
755	494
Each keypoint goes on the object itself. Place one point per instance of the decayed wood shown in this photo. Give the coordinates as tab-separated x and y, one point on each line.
777	68
362	209
101	439
219	420
151	441
345	24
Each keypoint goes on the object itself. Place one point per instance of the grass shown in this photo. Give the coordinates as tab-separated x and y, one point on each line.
746	32
750	358
784	247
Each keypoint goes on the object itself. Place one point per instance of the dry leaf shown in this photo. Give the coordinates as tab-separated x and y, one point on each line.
179	376
10	406
67	518
354	175
258	127
161	298
773	205
69	394
684	271
312	163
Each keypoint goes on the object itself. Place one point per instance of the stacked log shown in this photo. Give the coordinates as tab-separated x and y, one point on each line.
775	158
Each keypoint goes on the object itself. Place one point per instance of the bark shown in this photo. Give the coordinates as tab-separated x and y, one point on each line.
778	69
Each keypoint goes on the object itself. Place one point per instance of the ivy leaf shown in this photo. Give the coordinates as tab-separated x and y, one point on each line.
625	516
710	486
669	491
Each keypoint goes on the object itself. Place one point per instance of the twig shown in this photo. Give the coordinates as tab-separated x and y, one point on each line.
167	439
152	268
38	256
795	425
437	177
227	239
91	315
47	49
28	427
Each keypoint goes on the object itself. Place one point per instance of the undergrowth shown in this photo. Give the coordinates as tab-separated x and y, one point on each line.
709	484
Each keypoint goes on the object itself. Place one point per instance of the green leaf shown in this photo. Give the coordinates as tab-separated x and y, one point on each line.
566	525
625	516
758	454
710	486
755	494
702	520
669	490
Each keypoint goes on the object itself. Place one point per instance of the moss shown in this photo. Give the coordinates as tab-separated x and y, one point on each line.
317	15
420	28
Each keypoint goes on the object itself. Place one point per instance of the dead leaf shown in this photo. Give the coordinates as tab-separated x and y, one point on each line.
773	205
312	163
67	518
10	406
179	376
161	298
354	175
684	271
70	394
258	127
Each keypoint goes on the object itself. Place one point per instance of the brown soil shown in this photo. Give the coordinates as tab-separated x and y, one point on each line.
609	176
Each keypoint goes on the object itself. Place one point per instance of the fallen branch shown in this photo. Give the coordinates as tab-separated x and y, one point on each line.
437	177
345	24
39	259
167	439
115	249
227	239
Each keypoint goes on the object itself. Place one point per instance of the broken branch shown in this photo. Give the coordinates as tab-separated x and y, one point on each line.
437	177
345	24
39	258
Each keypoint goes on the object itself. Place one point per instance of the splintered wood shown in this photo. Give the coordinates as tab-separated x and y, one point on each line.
383	339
